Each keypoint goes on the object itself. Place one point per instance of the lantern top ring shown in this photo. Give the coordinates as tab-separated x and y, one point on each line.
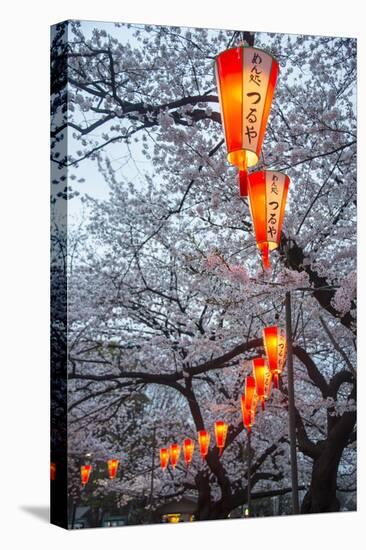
253	48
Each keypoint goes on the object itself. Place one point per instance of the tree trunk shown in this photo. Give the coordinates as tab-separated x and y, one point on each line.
322	496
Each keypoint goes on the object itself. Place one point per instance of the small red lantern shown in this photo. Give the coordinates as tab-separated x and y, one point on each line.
164	458
249	391
85	472
204	442
248	413
113	464
246	79
274	339
221	429
259	372
188	448
174	454
267	201
53	471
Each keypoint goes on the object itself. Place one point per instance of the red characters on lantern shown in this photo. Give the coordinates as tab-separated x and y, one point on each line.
164	458
221	429
85	472
188	448
274	339
112	467
246	79
267	201
174	454
204	442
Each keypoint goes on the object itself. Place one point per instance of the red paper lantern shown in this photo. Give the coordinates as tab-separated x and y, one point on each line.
267	201
246	79
249	391
188	448
113	464
204	442
248	412
85	472
164	458
53	471
274	339
221	429
259	373
174	454
249	402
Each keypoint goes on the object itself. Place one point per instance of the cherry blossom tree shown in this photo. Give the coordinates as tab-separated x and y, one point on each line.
167	297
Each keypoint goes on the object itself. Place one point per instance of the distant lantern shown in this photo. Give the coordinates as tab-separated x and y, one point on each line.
164	458
221	429
249	391
249	403
53	471
174	454
259	372
85	472
267	201
274	339
188	449
248	412
204	442
113	464
246	79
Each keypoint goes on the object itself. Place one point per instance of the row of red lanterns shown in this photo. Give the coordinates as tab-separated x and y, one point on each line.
257	388
86	469
173	452
246	79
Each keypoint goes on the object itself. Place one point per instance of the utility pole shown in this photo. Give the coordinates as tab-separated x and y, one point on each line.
291	408
152	471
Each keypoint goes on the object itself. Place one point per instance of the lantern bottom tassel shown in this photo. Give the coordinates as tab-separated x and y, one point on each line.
243	183
265	256
262	401
275	380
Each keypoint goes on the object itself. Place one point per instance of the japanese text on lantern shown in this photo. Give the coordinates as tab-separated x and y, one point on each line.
255	82
272	208
275	184
281	347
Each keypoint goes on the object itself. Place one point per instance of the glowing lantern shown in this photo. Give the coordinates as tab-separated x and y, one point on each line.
188	448
275	345
164	458
220	434
204	442
85	472
267	201
249	391
259	371
53	471
249	403
174	454
247	412
112	467
246	79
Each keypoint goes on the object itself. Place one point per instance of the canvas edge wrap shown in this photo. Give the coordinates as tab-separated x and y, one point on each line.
58	281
